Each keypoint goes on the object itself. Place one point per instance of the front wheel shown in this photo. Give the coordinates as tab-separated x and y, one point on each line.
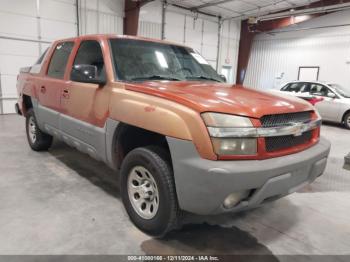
148	191
37	139
347	120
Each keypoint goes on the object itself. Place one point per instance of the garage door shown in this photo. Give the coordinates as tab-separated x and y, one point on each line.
200	33
26	29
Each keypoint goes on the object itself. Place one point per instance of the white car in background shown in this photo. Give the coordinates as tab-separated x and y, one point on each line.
332	100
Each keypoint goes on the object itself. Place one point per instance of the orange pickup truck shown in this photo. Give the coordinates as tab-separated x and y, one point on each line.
179	136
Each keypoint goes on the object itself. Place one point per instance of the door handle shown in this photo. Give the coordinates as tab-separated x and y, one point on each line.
65	94
43	89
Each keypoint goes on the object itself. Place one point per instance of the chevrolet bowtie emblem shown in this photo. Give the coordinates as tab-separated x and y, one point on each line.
297	129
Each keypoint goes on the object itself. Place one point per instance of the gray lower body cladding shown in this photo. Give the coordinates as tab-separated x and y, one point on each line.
202	185
95	141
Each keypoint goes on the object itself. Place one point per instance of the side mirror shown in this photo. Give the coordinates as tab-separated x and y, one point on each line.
223	77
332	95
86	74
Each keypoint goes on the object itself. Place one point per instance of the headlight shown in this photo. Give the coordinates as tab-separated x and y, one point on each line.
224	120
225	131
235	146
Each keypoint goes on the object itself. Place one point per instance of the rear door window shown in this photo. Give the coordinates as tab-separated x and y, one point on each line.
59	60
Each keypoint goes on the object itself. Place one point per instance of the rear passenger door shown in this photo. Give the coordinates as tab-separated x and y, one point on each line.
50	87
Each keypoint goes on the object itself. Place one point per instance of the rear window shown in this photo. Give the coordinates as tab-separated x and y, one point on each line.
41	58
59	60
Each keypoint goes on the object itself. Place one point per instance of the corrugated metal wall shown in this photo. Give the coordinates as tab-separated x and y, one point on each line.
229	46
275	59
101	16
198	32
150	29
150	20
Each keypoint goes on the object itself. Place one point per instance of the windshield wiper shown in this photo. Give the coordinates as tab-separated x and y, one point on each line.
203	77
155	77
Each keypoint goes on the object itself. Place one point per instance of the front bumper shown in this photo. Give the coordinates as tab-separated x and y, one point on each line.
202	185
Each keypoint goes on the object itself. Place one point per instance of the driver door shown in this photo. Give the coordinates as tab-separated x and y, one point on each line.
85	105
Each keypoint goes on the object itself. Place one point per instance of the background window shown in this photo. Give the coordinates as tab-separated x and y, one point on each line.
90	53
59	60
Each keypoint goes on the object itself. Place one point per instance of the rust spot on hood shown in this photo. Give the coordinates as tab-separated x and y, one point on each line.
150	109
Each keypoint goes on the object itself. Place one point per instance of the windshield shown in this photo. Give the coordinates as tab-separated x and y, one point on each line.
136	60
345	92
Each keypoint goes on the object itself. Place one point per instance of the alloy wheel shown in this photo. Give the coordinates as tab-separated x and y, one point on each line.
143	192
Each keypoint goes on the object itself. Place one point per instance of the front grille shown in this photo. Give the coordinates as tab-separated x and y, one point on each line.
285	119
283	142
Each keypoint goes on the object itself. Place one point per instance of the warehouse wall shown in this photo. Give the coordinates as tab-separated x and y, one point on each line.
101	16
276	58
27	27
199	32
229	46
150	20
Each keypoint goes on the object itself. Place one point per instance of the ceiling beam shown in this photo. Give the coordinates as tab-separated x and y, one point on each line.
321	3
213	3
191	9
319	7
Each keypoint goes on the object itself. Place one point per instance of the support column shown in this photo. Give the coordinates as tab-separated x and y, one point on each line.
131	19
245	45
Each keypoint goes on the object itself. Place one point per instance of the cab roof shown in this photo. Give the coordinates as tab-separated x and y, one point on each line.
114	36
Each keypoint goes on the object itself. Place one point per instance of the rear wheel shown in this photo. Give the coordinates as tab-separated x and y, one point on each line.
37	139
148	191
347	120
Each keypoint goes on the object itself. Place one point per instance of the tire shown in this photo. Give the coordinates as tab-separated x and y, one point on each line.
161	219
347	120
37	139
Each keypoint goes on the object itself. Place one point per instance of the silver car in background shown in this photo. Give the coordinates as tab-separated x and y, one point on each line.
334	104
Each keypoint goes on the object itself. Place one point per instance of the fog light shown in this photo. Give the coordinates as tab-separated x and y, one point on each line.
234	198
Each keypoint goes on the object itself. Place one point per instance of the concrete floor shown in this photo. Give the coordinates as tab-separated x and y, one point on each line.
63	202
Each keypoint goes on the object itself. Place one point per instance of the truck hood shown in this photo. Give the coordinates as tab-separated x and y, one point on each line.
223	98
